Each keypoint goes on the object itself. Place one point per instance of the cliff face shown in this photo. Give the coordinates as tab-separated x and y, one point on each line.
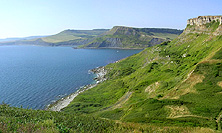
129	37
205	25
201	20
108	42
121	30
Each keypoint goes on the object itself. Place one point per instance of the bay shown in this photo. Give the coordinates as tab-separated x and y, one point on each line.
33	77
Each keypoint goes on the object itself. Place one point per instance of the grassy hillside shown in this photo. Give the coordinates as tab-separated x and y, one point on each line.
175	83
117	37
128	37
26	120
68	35
171	87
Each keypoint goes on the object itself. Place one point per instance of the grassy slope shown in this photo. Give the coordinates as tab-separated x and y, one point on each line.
172	87
118	37
166	35
134	37
26	120
68	35
177	83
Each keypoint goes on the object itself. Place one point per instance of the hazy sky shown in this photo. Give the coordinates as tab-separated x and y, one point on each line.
20	18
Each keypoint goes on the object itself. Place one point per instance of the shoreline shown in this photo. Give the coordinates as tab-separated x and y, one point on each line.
110	48
72	46
65	101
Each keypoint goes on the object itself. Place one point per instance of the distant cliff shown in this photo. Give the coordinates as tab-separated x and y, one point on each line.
64	38
129	37
117	37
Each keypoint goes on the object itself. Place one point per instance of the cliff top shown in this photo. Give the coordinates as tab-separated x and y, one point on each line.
200	20
209	16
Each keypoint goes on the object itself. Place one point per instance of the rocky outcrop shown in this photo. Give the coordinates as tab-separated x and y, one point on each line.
155	41
122	30
210	25
74	42
203	20
112	42
129	37
108	42
100	74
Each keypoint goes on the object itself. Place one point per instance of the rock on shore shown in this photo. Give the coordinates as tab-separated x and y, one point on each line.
64	102
100	74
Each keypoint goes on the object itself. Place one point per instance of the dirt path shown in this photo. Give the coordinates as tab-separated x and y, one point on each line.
218	120
120	102
178	116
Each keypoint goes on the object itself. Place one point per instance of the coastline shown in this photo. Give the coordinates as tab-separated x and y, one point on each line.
109	48
65	101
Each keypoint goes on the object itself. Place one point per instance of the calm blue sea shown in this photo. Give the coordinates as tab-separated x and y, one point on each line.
32	76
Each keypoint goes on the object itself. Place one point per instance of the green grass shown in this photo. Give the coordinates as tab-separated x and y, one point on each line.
206	28
68	35
218	55
117	37
26	120
134	37
213	25
91	103
158	75
174	87
166	35
60	38
207	102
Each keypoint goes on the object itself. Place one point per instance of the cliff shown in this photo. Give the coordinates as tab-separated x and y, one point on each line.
201	20
205	25
64	38
122	30
117	37
71	35
129	37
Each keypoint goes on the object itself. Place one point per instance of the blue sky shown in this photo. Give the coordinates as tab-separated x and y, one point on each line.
20	18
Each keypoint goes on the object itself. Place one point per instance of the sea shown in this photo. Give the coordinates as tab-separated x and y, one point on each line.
34	76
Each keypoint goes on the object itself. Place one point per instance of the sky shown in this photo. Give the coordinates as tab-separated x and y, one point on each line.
22	18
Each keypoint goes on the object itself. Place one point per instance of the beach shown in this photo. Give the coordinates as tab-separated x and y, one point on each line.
65	101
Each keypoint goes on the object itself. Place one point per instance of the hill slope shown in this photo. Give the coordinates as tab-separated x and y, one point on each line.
26	120
177	83
68	35
117	37
128	37
170	87
64	38
19	38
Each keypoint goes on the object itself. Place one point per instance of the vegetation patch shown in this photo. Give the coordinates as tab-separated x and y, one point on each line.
220	84
178	111
151	88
